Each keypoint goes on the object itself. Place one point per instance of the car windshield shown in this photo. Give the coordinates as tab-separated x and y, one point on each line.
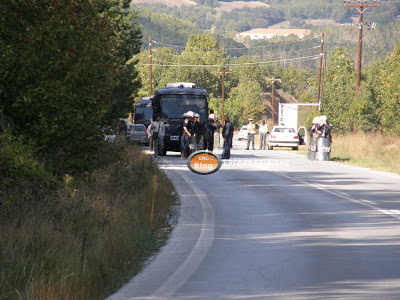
284	130
174	106
244	127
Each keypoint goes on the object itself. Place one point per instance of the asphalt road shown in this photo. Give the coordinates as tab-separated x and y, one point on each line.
274	225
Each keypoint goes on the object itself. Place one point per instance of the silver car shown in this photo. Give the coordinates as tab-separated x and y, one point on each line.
139	134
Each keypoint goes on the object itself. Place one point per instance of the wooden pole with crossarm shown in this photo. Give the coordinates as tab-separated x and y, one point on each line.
223	73
361	6
273	97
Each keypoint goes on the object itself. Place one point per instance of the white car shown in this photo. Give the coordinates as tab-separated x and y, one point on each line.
242	135
282	136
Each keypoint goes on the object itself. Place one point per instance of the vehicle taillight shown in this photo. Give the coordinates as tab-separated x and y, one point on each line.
296	137
273	136
145	131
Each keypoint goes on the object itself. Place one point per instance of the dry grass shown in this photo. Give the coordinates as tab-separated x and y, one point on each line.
229	6
169	3
375	151
92	238
323	23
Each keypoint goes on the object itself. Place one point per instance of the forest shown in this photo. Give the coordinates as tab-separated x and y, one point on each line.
178	56
74	208
204	16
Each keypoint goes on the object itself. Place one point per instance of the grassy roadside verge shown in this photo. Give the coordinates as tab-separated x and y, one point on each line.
375	151
89	238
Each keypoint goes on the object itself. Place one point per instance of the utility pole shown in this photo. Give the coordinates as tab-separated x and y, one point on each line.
223	73
323	82
150	69
361	7
273	98
321	54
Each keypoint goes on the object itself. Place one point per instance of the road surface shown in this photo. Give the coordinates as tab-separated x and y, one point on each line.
274	225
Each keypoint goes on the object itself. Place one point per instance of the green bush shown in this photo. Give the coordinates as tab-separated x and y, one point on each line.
23	179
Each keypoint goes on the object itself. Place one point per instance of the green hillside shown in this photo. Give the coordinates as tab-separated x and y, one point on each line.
172	26
173	32
205	15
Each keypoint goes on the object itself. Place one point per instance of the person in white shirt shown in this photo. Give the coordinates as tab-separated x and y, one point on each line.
158	132
263	134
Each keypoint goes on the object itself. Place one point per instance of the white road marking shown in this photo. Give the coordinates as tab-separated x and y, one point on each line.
363	202
199	251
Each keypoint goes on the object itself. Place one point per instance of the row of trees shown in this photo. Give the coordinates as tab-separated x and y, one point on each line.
63	72
377	107
201	62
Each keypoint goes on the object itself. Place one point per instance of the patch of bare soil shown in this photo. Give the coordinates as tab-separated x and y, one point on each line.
323	23
169	3
229	6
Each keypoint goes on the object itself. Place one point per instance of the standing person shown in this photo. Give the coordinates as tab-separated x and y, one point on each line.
209	133
151	144
227	134
180	131
198	130
158	132
251	131
263	135
187	134
122	128
217	132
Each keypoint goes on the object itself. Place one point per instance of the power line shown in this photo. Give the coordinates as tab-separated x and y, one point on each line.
289	52
237	65
237	48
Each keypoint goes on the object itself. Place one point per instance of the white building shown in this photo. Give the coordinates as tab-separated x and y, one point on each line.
267	33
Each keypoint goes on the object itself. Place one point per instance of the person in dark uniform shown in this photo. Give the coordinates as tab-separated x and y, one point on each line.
323	128
227	134
198	131
187	133
209	133
180	132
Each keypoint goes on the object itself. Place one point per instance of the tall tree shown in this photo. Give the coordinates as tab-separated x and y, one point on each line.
388	92
60	62
339	90
202	50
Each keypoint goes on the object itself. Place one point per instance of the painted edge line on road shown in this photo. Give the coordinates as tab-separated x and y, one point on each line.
199	251
366	203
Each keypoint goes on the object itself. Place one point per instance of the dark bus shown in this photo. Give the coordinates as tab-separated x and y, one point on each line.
144	111
171	103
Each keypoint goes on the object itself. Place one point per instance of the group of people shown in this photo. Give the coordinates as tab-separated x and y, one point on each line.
195	136
251	132
320	127
319	147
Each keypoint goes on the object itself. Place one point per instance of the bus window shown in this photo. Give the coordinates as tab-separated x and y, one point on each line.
174	106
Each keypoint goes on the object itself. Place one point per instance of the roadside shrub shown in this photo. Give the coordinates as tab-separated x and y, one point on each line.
90	238
23	180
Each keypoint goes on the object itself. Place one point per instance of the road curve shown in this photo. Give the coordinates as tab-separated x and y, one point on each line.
273	225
